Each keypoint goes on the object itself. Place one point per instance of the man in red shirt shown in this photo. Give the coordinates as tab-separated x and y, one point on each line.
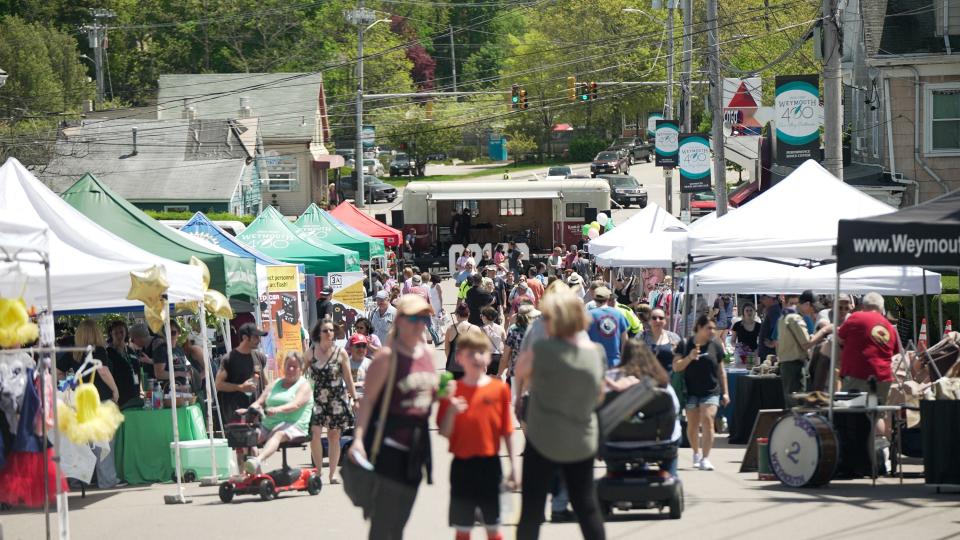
869	342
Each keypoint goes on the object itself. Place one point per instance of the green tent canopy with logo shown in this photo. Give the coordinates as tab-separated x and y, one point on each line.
314	223
271	233
235	277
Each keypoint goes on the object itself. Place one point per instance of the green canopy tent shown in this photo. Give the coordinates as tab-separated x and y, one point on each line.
314	223
274	235
235	277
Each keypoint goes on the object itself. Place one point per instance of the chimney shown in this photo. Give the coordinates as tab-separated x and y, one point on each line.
245	110
134	130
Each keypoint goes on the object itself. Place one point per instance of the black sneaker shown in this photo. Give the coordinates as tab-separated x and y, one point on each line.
564	516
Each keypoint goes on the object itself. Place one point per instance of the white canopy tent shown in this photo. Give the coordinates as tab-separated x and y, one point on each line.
650	220
795	219
750	276
89	266
657	250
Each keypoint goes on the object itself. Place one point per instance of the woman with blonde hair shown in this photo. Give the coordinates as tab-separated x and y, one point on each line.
565	375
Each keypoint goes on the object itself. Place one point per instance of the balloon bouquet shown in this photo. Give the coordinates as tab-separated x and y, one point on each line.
593	230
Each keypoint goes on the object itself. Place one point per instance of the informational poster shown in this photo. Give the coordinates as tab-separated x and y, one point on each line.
652	123
741	99
694	162
797	120
349	296
667	143
283	315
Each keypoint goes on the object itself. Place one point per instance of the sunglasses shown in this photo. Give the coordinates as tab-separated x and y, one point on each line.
360	346
423	319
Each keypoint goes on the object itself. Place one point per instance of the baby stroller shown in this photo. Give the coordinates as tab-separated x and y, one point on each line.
637	453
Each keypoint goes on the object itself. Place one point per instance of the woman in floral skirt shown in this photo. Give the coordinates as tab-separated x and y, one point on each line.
334	395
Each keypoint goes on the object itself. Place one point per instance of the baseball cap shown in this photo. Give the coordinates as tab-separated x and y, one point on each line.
382	295
358	339
250	329
413	304
416	280
327	291
601	294
807	296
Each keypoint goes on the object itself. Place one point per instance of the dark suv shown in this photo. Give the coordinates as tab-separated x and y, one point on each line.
375	189
401	166
626	190
609	161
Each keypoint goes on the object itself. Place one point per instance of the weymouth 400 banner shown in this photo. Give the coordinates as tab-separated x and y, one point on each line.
668	133
798	122
695	161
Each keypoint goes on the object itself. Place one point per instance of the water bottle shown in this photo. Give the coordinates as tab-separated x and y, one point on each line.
157	396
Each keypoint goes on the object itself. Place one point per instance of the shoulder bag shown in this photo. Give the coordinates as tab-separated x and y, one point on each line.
452	366
360	484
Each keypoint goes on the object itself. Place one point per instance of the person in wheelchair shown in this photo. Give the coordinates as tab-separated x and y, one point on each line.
286	406
657	425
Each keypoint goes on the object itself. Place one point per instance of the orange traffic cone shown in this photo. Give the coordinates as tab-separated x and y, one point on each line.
922	339
948	328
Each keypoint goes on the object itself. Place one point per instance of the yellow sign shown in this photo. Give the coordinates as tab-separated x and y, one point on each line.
348	289
282	279
283	315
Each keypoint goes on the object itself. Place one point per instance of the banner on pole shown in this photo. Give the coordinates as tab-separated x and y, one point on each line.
667	141
283	317
797	120
652	123
741	99
694	161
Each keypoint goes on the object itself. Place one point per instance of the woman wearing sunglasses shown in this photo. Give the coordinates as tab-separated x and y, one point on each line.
659	340
329	374
404	453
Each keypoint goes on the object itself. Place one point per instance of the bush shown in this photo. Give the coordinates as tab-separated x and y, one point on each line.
213	216
465	153
585	148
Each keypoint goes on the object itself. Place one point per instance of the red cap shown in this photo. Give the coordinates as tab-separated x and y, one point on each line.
358	339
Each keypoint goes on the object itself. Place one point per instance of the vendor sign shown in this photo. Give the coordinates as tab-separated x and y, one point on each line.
797	119
348	296
667	140
283	316
694	162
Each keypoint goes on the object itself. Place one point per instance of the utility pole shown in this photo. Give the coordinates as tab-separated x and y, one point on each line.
685	77
716	96
832	92
96	37
668	113
453	59
360	17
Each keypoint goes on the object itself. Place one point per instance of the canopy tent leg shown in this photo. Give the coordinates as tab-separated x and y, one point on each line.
940	314
673	294
178	497
686	297
913	323
63	506
926	304
209	376
834	347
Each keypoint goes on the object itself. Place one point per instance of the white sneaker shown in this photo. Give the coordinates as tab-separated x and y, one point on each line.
705	465
696	461
251	465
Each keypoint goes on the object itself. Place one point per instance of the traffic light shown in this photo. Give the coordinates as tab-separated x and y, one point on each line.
515	96
571	88
523	99
593	91
583	92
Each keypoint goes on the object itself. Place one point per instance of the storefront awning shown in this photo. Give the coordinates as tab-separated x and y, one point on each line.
494	194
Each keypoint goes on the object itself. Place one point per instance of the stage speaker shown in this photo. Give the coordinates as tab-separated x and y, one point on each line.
396	217
589	214
382	218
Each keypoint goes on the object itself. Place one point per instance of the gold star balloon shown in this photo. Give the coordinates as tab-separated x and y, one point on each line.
148	286
203	268
155	316
217	303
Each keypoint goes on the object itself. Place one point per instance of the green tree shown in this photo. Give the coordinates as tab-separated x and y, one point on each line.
410	127
519	145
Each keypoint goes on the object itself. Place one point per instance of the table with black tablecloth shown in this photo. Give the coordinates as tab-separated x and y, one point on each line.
142	450
753	393
733	374
940	427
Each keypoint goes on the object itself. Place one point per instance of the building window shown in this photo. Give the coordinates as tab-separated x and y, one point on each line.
474	207
943	118
511	207
283	173
176	208
576	209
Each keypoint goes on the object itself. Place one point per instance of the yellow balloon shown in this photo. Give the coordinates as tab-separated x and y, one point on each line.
192	307
148	286
217	303
155	316
203	268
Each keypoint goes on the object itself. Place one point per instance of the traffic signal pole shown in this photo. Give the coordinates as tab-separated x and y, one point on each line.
668	113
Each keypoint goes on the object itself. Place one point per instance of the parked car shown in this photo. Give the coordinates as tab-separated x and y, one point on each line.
609	162
704	202
402	165
639	148
626	190
375	189
439	156
559	173
373	166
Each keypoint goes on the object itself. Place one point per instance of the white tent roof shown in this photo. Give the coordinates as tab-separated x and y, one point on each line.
795	219
657	250
17	238
90	267
749	276
651	219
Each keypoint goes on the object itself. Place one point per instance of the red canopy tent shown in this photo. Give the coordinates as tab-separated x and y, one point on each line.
352	216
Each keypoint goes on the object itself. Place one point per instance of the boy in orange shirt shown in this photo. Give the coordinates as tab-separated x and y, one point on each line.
474	418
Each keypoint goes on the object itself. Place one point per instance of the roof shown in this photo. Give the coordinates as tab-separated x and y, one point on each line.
315	223
352	216
526	186
175	160
286	103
